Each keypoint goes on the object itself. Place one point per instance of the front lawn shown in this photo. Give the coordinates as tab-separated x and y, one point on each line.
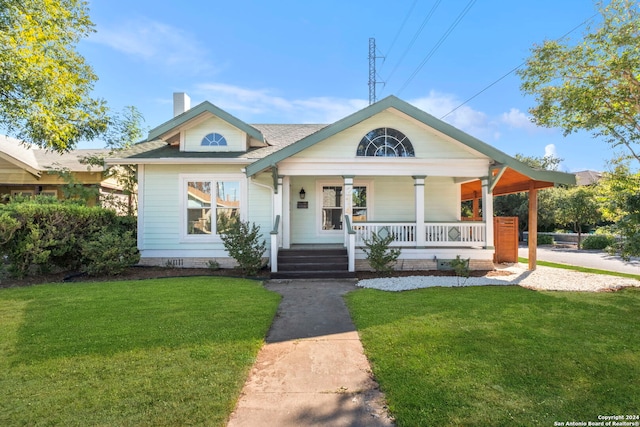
154	352
502	356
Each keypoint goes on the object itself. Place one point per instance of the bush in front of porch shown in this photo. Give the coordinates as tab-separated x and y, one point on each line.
380	256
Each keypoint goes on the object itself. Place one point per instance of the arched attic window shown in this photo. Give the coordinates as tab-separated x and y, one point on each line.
213	139
385	142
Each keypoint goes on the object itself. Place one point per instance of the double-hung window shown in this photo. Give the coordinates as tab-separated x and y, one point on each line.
331	205
209	204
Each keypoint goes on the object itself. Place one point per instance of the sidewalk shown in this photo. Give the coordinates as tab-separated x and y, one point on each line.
312	371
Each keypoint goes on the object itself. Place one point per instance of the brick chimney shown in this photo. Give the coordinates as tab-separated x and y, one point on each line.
181	103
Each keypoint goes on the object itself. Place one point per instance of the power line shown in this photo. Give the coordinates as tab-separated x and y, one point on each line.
438	44
415	37
515	68
406	18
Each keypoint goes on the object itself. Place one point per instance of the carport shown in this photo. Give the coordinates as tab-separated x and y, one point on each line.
513	178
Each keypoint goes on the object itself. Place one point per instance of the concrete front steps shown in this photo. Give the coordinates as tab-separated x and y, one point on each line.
314	263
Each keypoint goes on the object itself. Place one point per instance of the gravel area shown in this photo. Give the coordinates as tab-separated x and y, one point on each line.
543	278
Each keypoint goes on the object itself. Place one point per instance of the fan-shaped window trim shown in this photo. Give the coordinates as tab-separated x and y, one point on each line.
213	139
385	142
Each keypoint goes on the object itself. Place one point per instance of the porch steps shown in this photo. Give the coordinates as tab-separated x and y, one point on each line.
313	264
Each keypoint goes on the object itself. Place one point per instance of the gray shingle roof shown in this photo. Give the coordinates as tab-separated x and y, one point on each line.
277	136
588	177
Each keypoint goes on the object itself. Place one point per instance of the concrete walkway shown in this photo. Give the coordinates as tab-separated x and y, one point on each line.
312	371
584	258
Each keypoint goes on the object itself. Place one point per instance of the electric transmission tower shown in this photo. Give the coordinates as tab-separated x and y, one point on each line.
372	70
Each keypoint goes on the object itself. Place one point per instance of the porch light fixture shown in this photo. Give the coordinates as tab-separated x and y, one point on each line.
302	194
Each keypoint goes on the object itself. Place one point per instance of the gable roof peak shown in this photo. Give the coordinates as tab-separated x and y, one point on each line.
202	108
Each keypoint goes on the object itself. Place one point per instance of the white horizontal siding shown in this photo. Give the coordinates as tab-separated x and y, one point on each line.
260	209
161	213
305	222
442	199
394	199
236	139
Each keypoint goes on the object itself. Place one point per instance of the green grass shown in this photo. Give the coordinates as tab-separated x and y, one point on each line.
501	356
581	269
153	352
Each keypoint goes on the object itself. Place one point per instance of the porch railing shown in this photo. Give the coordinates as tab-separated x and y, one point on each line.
437	234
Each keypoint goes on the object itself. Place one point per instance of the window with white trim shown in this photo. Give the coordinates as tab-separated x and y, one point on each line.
359	199
214	139
210	204
332	206
332	209
385	142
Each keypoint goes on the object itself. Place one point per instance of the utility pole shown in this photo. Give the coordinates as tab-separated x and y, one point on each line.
372	70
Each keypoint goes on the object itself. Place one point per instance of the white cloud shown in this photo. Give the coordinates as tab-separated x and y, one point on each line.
154	42
516	119
550	150
472	121
265	106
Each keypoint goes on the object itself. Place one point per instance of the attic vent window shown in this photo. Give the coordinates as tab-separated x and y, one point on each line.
213	139
385	142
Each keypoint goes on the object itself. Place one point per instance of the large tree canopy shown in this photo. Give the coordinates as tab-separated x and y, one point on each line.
593	85
45	85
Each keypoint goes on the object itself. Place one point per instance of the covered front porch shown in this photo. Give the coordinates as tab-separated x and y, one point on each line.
421	213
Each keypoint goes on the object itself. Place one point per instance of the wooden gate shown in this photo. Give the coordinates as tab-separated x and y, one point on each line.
505	237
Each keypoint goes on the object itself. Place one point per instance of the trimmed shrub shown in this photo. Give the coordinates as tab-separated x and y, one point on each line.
598	241
45	234
109	253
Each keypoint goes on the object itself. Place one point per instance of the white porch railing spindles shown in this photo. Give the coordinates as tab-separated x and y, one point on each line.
459	234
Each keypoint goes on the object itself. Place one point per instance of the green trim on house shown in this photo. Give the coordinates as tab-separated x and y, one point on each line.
500	157
199	109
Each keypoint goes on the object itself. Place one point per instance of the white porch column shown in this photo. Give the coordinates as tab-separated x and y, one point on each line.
277	208
285	190
348	203
421	235
487	213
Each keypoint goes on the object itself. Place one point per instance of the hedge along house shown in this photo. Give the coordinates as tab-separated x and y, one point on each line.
389	168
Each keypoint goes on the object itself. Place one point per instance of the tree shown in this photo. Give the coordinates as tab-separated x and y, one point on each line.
619	194
124	130
593	85
45	84
577	207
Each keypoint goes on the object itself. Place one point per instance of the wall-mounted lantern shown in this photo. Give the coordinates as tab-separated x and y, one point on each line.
302	194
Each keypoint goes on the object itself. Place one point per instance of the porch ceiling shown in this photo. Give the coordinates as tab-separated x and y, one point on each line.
510	182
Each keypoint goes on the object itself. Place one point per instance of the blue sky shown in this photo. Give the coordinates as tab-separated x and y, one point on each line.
307	62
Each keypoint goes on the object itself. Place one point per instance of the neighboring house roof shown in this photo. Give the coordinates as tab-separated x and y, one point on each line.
19	154
588	177
36	160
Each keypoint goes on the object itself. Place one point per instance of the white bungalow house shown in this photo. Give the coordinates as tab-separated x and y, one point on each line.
389	168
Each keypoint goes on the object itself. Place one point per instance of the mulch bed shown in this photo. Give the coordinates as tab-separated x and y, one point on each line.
140	273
